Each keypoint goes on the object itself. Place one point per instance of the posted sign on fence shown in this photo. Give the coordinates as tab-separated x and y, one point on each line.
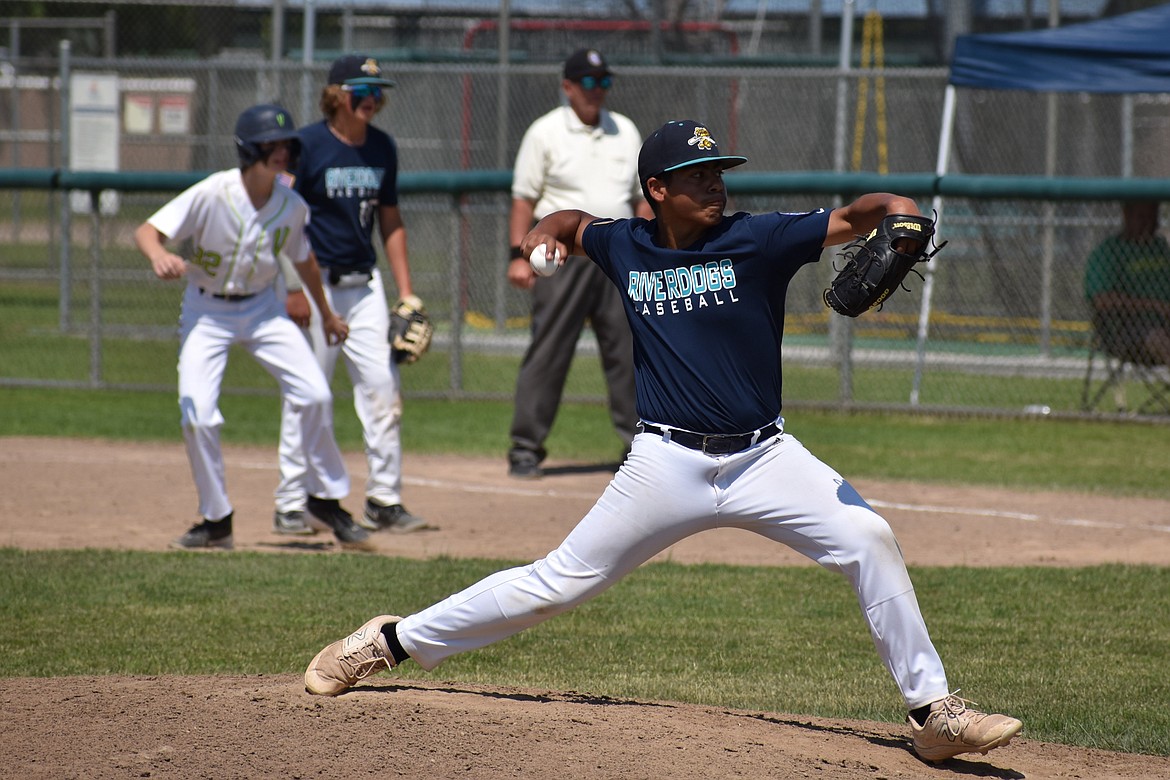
93	133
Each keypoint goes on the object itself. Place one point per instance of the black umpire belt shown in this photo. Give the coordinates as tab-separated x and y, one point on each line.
715	443
339	277
228	296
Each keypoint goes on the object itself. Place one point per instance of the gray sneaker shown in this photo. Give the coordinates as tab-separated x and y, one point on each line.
328	513
208	535
394	519
291	523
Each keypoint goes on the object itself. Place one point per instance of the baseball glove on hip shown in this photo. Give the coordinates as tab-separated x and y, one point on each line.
410	330
875	267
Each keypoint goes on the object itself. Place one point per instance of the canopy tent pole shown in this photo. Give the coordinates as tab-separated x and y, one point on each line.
841	328
940	169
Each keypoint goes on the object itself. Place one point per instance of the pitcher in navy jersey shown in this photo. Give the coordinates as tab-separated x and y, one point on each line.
704	294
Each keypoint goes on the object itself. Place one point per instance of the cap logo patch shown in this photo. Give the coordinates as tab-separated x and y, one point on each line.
701	139
280	119
594	59
370	67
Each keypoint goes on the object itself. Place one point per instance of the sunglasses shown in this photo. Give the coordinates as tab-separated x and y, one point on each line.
592	82
363	91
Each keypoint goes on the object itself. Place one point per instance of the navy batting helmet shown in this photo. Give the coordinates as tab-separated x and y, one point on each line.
264	124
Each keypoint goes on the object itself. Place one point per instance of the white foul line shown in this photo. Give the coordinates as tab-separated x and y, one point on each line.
1024	516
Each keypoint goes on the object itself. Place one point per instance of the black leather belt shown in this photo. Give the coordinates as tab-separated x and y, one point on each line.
228	296
338	276
715	444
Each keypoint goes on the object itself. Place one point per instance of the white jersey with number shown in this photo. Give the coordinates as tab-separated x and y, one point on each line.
235	245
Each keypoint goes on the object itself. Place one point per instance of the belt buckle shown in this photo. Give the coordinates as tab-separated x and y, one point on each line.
350	278
724	449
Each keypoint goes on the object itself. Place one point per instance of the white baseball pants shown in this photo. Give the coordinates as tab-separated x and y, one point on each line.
665	492
208	326
376	394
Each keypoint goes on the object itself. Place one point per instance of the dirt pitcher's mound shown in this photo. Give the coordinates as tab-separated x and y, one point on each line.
268	727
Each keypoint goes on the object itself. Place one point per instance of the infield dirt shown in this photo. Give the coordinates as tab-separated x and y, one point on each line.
140	496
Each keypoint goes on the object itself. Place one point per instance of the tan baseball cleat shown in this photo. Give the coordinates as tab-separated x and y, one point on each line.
348	661
953	728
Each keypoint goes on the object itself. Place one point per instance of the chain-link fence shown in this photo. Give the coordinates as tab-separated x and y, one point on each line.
1008	326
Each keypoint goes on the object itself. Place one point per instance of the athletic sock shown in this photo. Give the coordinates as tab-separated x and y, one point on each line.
396	652
920	714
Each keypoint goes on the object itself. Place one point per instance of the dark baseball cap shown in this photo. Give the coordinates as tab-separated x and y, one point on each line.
679	144
353	69
586	62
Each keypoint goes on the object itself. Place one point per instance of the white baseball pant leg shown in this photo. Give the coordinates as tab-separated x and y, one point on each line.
376	393
275	342
664	493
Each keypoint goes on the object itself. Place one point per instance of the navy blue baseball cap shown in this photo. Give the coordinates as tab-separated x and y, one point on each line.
679	144
354	69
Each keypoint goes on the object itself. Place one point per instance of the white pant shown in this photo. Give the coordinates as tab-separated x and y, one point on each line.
208	326
665	492
376	395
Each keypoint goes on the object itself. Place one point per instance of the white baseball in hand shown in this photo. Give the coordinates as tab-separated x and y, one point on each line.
540	262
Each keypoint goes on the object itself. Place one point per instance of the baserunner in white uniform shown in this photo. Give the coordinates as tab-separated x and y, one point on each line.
239	221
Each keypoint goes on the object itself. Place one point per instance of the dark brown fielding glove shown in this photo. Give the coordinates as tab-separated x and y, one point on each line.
875	268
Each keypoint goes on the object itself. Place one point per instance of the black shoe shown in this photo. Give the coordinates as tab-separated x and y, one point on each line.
524	465
329	513
208	535
394	519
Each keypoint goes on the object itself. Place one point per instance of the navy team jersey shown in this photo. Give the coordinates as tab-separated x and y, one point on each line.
344	186
708	320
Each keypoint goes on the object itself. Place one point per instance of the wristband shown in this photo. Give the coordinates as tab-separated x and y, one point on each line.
517	254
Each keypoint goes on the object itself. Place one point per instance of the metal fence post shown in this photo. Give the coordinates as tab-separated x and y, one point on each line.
457	313
95	289
66	215
14	97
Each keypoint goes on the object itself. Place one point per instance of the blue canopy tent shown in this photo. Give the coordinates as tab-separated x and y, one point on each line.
1126	54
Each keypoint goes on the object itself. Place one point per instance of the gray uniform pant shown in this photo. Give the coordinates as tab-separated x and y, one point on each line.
560	306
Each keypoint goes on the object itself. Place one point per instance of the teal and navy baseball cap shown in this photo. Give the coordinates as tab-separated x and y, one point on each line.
354	69
679	144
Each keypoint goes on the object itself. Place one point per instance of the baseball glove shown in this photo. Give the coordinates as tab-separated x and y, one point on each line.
875	268
410	330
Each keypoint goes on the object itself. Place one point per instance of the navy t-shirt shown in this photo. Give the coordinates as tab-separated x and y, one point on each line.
708	320
344	186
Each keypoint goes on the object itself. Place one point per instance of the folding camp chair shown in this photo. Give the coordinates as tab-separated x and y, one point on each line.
1113	365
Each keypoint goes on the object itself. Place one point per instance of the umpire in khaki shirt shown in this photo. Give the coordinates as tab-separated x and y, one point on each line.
577	156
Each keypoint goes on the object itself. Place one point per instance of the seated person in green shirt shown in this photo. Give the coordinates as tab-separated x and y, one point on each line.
1127	285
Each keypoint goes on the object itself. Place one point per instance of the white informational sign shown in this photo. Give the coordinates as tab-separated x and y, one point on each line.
138	114
94	133
174	114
